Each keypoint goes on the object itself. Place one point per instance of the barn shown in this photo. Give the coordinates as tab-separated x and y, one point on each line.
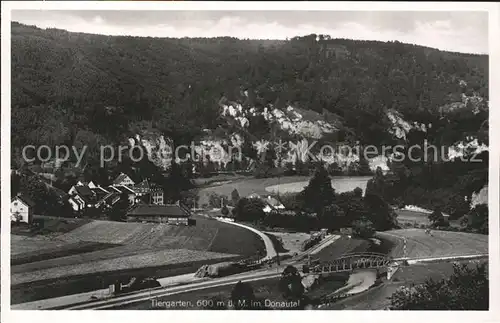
176	214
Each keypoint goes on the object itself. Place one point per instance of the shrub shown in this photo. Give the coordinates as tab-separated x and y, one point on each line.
311	242
235	196
363	228
217	201
437	218
466	289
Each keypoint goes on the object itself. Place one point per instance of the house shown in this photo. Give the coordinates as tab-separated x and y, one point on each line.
123	179
171	214
132	195
271	202
157	195
21	209
84	193
149	192
77	202
142	188
99	193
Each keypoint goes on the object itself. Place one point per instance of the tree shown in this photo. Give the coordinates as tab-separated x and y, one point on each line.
377	185
379	212
249	209
290	284
358	192
319	192
363	228
224	211
437	218
242	296
477	220
235	196
119	211
364	167
217	201
466	289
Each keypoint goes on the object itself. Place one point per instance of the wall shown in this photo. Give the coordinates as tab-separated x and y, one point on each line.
24	211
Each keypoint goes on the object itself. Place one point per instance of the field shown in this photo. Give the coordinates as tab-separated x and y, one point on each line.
92	265
439	244
51	226
409	217
59	250
49	288
343	246
105	245
340	184
375	298
406	216
249	186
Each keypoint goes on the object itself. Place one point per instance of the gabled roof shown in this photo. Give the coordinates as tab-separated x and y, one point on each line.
111	197
143	184
59	192
113	189
170	210
99	193
25	199
83	190
123	188
120	178
143	187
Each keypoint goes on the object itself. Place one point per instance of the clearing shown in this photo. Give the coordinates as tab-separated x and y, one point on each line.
412	218
340	184
84	249
437	244
247	186
141	260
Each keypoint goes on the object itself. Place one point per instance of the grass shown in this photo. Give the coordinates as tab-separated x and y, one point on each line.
287	242
419	218
342	246
57	252
51	226
439	244
340	184
412	218
93	255
277	243
135	261
247	186
56	287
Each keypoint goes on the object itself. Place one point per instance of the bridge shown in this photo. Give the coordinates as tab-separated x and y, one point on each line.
353	261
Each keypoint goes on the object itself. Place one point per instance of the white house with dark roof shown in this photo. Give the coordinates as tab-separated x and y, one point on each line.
22	209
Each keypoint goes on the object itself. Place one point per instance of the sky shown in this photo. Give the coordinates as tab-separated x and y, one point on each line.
458	31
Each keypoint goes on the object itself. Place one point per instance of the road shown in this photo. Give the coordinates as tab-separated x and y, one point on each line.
270	251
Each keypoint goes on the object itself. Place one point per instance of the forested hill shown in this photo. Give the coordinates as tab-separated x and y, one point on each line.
64	83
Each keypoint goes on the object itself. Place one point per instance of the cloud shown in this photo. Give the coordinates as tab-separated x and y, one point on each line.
462	32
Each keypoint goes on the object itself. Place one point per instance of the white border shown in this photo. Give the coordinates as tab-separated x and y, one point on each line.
235	316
